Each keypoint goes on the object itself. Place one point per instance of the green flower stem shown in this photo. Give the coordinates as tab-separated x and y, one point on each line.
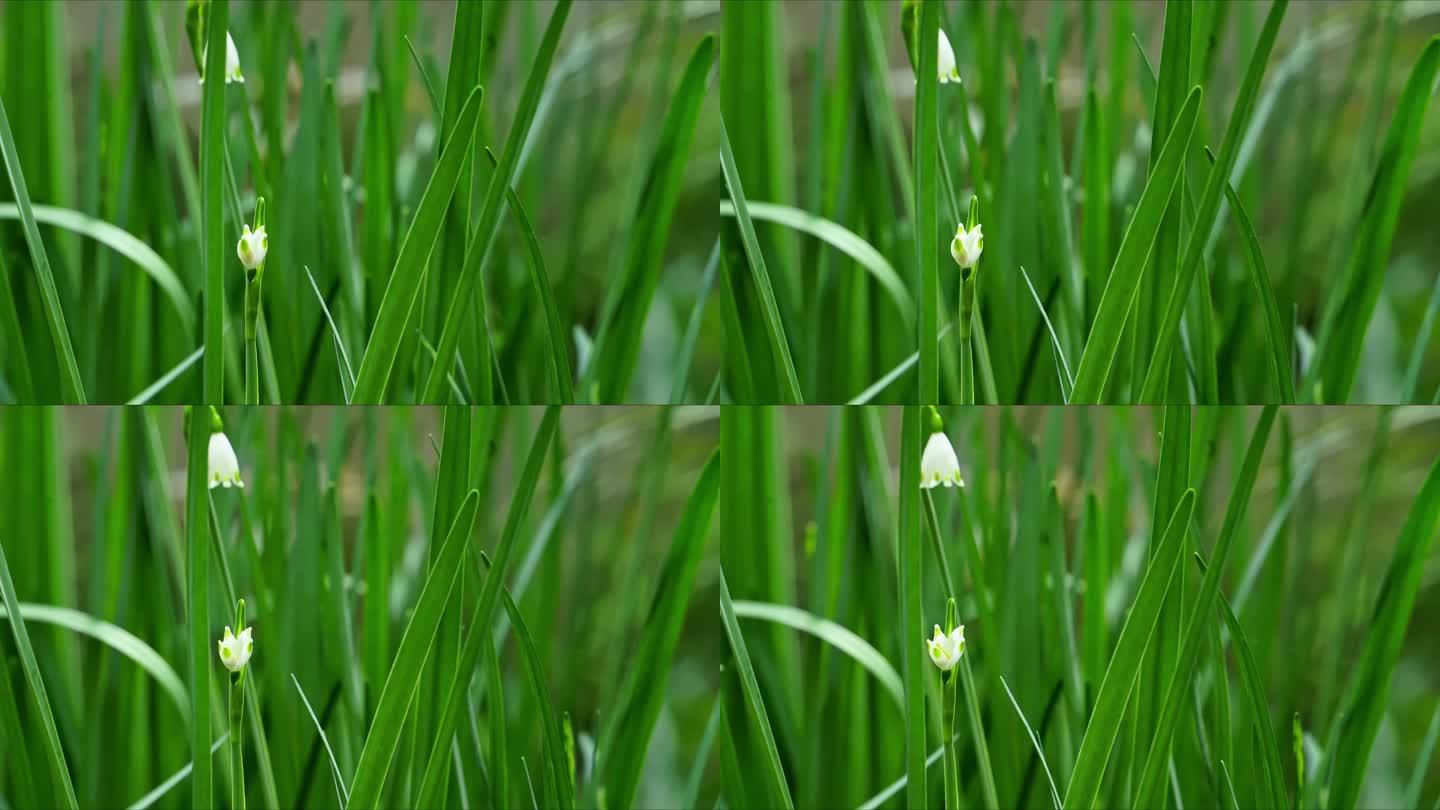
967	363
252	318
947	729
237	733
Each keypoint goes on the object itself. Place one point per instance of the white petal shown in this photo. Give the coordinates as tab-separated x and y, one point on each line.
945	61
938	464
224	467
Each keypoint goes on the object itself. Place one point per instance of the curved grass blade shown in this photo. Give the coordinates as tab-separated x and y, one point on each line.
1367	699
1039	750
415	645
540	280
1124	280
692	328
1422	762
626	737
400	294
771	772
1275	333
197	597
1154	773
1253	685
877	387
1422	340
774	330
1351	303
1068	382
482	617
839	237
562	789
628	298
53	751
1209	208
347	377
176	778
120	241
488	222
116	638
1124	667
335	774
71	388
837	636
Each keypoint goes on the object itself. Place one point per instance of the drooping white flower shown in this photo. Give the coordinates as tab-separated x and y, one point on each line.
938	464
235	650
224	467
945	61
945	650
966	246
232	62
252	247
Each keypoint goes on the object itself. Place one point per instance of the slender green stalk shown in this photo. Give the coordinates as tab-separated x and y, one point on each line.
253	300
927	197
967	315
197	588
237	727
212	220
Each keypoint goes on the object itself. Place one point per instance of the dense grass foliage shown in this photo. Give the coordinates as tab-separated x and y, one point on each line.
1209	607
568	237
474	607
1268	244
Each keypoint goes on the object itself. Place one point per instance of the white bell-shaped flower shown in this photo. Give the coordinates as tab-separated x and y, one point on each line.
252	247
946	649
938	464
945	61
235	650
232	62
224	467
966	246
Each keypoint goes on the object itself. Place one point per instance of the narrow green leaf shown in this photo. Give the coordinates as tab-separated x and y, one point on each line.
51	742
415	646
774	329
212	227
837	636
1125	662
561	787
772	774
393	318
1124	281
72	389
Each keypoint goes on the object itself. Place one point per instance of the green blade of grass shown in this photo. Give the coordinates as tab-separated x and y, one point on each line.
51	741
540	281
149	799
482	617
1035	741
561	789
116	638
488	223
842	239
393	317
760	277
347	377
212	226
1366	703
927	198
1125	275
771	773
1252	684
626	737
72	390
415	646
836	635
1351	303
1179	693
118	240
1209	207
1276	337
336	776
1422	762
628	298
197	598
912	619
1125	663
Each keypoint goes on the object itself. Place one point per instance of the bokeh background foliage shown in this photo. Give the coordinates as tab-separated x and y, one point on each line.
339	126
1056	129
613	569
1331	570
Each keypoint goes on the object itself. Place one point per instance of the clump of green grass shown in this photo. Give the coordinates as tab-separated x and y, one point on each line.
1212	203
491	607
477	203
1199	607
